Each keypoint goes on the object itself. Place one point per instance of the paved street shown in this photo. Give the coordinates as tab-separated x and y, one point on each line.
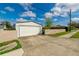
46	45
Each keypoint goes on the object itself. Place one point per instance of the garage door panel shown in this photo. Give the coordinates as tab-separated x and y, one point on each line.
27	31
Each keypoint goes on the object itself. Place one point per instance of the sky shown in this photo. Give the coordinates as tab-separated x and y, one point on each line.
38	12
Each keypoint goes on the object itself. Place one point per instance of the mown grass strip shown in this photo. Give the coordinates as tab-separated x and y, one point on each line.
58	34
76	35
8	42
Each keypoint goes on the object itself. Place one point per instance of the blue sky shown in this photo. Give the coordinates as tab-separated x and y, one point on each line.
38	12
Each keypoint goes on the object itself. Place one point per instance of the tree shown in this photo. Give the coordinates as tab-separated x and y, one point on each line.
8	25
48	23
73	25
77	25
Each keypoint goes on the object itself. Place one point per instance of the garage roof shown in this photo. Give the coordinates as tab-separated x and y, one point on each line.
28	23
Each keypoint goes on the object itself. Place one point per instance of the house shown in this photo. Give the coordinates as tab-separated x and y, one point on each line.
28	28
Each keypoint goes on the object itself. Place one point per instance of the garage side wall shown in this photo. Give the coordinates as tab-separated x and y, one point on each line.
17	30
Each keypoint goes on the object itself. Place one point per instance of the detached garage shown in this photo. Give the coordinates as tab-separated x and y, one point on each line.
28	28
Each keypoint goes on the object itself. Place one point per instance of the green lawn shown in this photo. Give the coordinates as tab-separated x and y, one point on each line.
8	42
76	35
58	34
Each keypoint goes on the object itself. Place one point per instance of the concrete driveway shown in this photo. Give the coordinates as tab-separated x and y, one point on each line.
46	45
6	35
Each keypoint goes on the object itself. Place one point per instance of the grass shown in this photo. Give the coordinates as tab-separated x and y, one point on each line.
59	34
76	35
8	42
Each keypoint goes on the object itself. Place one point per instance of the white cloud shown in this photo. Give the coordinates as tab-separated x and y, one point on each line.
32	18
6	8
9	8
56	10
2	11
28	13
48	15
59	11
64	14
73	6
75	19
62	9
26	6
21	20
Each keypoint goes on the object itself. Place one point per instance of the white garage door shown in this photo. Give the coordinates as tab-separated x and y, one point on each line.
29	30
